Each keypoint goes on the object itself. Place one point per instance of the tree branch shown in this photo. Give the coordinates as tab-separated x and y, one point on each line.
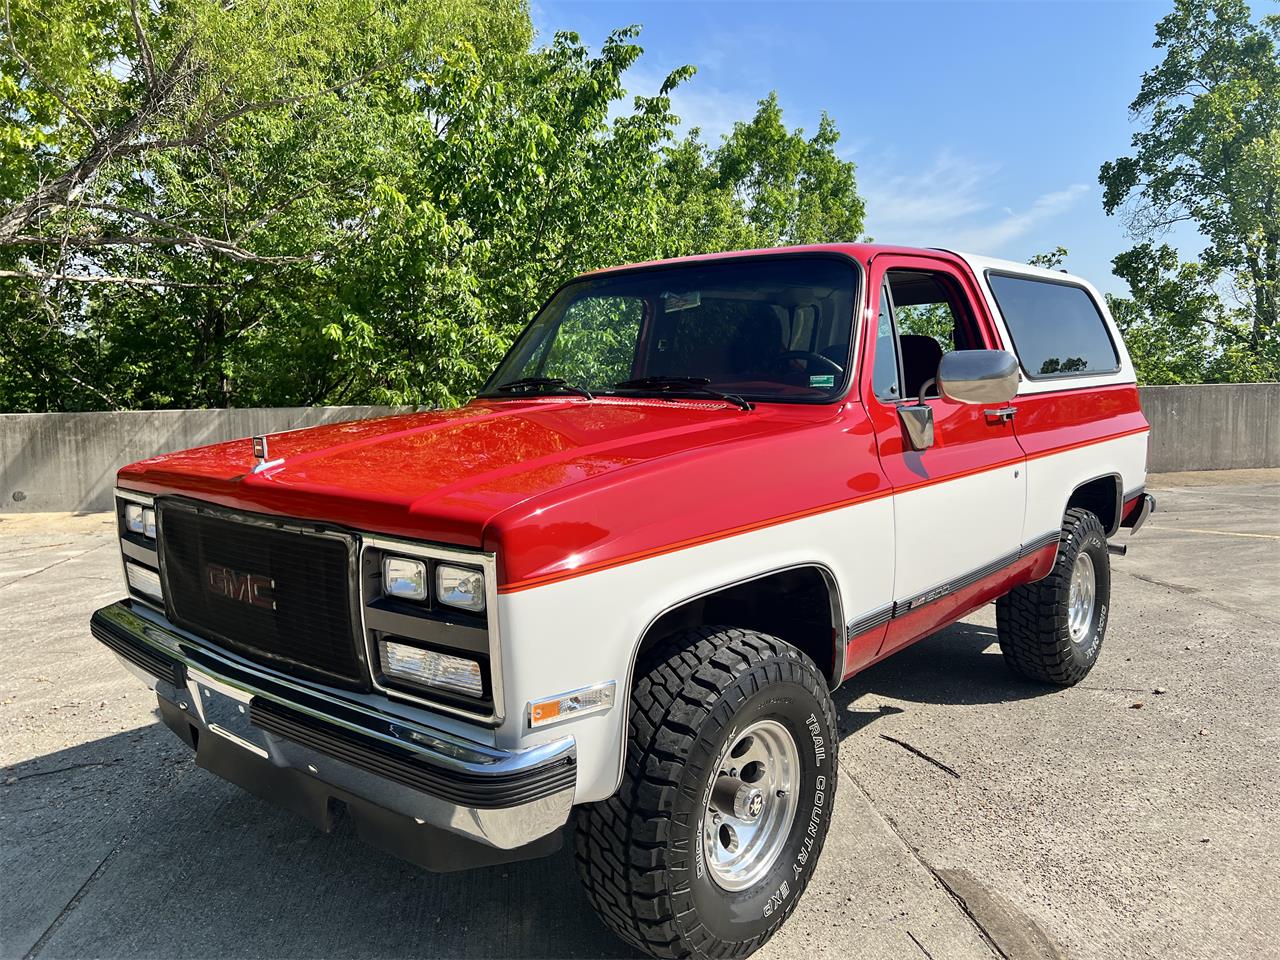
62	189
182	237
31	71
106	278
144	48
197	136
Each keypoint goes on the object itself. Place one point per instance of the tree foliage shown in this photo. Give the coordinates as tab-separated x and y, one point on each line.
289	202
1209	155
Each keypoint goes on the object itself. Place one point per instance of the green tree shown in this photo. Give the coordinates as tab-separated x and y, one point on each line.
1049	260
342	200
1209	154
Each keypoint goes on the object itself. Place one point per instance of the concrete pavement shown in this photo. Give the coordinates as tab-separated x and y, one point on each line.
977	816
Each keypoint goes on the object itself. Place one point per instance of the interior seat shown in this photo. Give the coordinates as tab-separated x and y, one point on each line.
921	355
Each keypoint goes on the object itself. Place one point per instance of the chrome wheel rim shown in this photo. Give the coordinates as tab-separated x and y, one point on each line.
1081	596
751	803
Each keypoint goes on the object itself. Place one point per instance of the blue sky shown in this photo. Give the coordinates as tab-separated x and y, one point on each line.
975	126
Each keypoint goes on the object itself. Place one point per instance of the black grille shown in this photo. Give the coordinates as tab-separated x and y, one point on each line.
274	595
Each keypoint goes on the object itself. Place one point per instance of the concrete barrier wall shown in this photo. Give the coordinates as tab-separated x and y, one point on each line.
1213	426
68	461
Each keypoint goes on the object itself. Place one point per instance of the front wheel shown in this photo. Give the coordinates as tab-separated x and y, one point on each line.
1052	630
725	800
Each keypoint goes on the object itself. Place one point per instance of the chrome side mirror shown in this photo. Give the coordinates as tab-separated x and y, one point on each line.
978	376
917	425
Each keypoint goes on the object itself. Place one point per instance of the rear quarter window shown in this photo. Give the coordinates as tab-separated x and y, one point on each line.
1057	328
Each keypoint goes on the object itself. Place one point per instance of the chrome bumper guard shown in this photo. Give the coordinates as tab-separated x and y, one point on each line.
400	781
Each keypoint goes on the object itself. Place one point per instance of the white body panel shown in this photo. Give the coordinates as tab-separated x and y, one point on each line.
1051	479
586	629
947	530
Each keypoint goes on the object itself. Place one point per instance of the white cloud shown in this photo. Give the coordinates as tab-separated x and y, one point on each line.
949	204
695	102
1013	224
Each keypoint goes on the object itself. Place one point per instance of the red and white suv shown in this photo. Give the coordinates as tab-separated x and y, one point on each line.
620	586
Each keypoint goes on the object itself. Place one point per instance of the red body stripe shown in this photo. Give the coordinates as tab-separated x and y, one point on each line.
597	566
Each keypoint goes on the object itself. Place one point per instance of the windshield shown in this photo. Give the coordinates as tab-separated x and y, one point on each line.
775	329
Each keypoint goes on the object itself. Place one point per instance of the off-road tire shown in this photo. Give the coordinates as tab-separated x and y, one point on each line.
1032	620
638	852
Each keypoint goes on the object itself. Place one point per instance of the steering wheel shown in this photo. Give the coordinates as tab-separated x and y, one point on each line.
808	357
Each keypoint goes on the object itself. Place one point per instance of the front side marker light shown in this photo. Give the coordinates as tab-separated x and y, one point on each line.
460	587
144	581
575	703
428	668
404	578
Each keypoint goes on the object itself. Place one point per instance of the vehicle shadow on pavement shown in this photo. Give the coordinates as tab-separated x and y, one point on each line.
126	848
960	665
154	857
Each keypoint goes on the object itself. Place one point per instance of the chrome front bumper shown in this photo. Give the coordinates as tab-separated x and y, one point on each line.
401	781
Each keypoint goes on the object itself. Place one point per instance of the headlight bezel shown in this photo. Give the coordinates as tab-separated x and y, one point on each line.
432	624
138	537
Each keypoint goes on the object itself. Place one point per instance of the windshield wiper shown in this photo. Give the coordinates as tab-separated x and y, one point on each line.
529	384
685	384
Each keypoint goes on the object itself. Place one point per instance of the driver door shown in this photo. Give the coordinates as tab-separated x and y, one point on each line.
958	505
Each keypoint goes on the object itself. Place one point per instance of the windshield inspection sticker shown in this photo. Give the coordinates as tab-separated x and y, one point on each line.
671	302
822	380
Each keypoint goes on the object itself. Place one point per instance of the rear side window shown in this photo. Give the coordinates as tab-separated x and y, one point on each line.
1056	327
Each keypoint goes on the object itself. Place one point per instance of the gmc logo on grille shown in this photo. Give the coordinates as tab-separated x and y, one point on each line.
248	588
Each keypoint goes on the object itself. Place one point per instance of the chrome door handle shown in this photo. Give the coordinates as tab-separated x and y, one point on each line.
1003	413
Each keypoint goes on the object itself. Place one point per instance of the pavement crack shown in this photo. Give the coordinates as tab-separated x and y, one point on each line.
915	854
47	567
1195	594
71	904
46	773
921	754
923	948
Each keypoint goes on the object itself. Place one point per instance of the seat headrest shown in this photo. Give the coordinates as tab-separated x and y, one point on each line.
921	355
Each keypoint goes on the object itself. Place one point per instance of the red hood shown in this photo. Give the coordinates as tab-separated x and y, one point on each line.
444	475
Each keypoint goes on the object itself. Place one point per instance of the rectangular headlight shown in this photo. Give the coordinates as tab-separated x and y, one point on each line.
144	581
133	519
431	669
404	578
460	587
140	519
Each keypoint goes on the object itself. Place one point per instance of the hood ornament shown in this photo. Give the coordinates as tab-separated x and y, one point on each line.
262	456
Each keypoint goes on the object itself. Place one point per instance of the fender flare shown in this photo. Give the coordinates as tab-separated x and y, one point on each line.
839	635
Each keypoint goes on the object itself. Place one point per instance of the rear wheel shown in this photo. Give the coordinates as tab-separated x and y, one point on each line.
725	800
1052	630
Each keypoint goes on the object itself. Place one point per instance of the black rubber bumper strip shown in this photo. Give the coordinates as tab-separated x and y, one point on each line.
140	655
479	791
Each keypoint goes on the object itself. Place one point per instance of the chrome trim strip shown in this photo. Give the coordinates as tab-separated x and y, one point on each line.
876	618
911	604
145	499
488	564
1039	543
443	748
206	674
